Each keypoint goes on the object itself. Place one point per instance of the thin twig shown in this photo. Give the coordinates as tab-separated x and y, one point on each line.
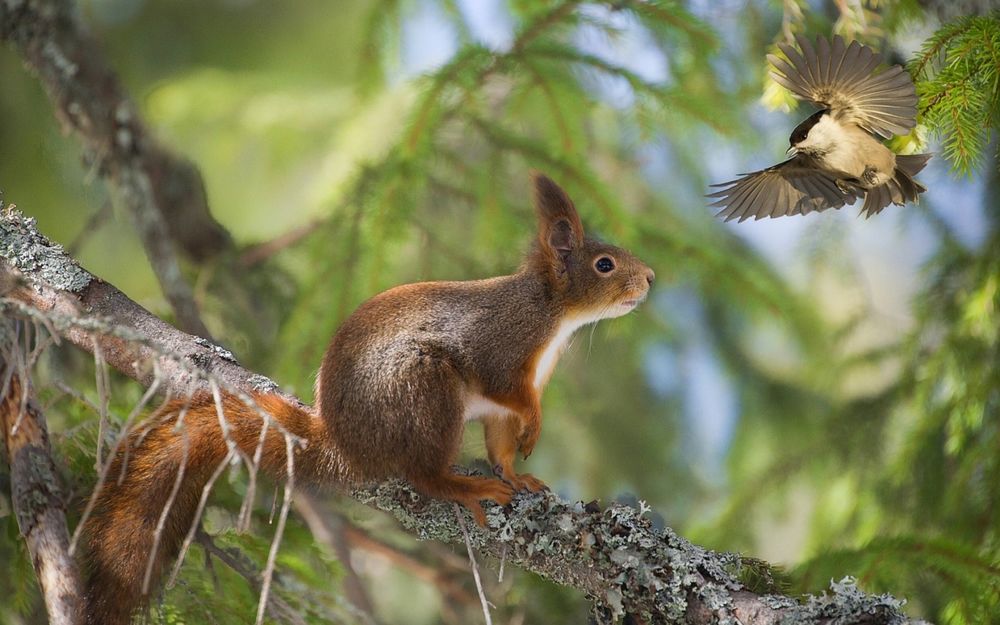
452	591
329	529
9	367
127	428
163	413
103	469
162	521
94	222
22	374
278	531
243	519
62	387
274	508
262	251
41	343
221	414
475	567
503	561
234	448
251	576
101	380
196	521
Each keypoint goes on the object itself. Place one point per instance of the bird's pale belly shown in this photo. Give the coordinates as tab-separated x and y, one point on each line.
863	159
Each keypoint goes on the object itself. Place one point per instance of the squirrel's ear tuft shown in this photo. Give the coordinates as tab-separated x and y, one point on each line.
559	227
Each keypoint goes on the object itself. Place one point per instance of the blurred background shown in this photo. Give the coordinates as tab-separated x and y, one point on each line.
821	392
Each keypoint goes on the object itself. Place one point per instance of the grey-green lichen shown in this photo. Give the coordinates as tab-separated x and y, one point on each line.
847	604
262	384
39	259
37	487
616	555
55	55
778	602
717	599
623	563
216	349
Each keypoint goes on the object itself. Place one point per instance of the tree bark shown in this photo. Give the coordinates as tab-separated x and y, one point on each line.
36	494
150	182
615	556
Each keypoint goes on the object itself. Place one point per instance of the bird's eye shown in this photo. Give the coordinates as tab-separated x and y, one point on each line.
604	264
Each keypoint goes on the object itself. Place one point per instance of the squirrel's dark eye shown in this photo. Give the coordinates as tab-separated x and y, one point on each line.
604	264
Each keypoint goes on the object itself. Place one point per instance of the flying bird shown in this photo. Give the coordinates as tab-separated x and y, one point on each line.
837	154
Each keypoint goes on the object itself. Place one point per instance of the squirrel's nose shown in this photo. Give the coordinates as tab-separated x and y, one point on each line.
650	276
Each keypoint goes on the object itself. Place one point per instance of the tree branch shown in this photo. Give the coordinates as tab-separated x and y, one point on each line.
328	528
615	556
58	285
36	494
150	182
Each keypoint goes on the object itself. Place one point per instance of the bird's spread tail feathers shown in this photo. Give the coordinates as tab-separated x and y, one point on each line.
902	188
911	165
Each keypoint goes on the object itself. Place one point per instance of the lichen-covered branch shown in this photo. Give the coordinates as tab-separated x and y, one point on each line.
615	556
162	192
36	495
625	565
53	282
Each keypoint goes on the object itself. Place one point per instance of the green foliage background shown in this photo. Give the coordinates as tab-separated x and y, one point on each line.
852	447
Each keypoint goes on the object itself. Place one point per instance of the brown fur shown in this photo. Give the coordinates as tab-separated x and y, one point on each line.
392	395
120	531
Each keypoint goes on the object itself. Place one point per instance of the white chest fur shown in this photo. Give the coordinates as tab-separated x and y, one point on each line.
477	407
554	348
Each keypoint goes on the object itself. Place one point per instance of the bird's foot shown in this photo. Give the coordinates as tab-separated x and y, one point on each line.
846	185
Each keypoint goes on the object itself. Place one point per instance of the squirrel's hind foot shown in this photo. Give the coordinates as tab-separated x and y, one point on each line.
467	490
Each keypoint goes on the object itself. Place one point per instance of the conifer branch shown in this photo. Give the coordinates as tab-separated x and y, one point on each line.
958	82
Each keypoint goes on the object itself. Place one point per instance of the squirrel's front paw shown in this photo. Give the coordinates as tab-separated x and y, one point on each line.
520	482
527	439
527	481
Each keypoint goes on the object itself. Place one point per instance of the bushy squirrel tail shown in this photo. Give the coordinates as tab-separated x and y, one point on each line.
121	534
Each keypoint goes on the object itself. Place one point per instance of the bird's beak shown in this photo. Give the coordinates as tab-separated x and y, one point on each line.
792	150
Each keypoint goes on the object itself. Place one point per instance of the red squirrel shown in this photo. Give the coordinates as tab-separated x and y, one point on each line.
400	378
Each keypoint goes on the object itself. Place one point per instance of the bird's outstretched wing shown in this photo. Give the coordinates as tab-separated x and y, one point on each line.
842	78
788	188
